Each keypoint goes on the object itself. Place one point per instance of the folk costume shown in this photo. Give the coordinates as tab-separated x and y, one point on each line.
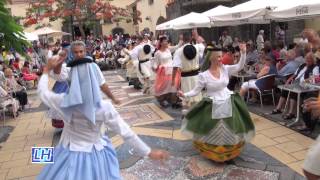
83	152
186	58
163	89
143	54
220	123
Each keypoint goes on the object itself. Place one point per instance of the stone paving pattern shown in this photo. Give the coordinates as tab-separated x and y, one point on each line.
276	152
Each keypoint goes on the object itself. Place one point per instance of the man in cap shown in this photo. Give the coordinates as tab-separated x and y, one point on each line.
186	60
143	54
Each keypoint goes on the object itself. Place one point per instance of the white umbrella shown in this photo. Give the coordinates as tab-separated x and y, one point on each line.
31	36
253	11
188	21
46	31
296	9
214	12
164	26
191	20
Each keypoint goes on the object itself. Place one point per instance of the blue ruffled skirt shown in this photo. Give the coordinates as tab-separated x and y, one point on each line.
74	165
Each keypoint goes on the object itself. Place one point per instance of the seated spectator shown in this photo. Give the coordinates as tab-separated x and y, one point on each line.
227	57
98	54
16	64
267	69
252	54
7	100
27	75
293	63
16	89
302	75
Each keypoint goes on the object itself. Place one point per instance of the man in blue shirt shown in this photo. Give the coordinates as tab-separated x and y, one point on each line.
292	63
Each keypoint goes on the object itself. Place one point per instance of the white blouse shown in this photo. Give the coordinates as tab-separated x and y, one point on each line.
163	58
80	134
217	88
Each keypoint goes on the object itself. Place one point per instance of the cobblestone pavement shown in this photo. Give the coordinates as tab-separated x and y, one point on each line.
276	153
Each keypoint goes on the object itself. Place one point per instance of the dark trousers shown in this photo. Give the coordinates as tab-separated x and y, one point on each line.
21	96
309	121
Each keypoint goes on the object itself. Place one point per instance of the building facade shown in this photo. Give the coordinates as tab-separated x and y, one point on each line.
153	12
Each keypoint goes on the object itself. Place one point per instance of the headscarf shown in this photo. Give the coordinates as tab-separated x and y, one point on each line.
84	92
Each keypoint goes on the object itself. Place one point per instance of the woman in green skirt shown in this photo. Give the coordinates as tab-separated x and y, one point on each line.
220	123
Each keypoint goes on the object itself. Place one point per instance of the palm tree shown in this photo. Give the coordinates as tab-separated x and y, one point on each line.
11	32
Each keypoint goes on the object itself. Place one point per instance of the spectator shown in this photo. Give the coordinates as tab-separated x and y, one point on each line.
279	34
236	42
300	76
7	100
27	75
260	40
225	39
227	56
293	63
13	87
16	64
267	69
252	54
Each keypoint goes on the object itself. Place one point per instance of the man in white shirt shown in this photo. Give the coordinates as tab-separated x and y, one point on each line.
225	39
186	60
143	54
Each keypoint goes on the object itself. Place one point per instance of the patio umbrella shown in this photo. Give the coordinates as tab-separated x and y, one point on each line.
251	12
296	9
188	21
46	31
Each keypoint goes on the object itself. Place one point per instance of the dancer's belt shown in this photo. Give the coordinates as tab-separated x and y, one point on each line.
190	73
141	62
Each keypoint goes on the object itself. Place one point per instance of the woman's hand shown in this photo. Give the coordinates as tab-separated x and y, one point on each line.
180	94
243	48
158	155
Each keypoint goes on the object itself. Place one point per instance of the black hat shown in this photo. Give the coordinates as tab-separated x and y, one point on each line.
190	52
146	49
212	48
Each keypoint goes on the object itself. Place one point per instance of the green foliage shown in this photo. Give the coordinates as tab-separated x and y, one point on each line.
12	31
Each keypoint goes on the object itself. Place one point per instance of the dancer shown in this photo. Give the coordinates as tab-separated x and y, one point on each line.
83	152
62	72
163	89
186	60
143	53
220	124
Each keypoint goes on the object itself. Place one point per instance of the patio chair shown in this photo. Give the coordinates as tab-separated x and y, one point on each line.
4	107
267	88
